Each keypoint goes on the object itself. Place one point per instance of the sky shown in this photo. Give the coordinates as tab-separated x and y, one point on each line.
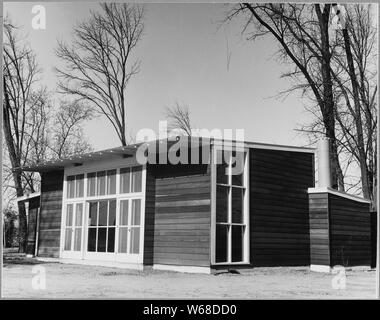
183	56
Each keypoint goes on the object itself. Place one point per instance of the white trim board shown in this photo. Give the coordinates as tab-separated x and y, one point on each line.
320	268
29	196
259	145
337	193
186	269
101	263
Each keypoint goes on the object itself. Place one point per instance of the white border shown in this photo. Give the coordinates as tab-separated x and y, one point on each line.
337	193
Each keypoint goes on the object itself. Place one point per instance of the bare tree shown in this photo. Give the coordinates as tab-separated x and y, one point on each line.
302	33
20	72
355	73
67	137
33	133
97	64
179	118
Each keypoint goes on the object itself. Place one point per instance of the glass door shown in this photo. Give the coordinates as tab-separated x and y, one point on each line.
129	230
101	226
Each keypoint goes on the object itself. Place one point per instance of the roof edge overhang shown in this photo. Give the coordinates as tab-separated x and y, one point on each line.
130	151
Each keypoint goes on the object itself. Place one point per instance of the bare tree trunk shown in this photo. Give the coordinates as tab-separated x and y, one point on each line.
15	161
358	120
328	97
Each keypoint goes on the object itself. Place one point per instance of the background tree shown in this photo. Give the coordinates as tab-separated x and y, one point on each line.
179	118
354	71
20	72
302	33
33	130
323	68
67	138
97	63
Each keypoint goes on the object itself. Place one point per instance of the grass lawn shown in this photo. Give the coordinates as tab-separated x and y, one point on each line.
81	281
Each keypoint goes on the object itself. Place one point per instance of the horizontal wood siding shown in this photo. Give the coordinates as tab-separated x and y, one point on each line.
373	239
50	214
34	205
179	231
279	210
150	197
350	232
319	229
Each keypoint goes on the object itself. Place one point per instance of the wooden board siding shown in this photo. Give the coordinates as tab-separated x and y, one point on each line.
34	205
150	197
50	214
319	230
279	210
350	232
373	239
179	231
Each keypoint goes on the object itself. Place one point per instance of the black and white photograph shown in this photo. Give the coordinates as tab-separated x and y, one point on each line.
209	150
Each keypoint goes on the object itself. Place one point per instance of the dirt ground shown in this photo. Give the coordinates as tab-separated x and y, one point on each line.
80	281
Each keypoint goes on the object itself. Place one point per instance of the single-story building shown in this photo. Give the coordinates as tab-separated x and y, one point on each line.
249	205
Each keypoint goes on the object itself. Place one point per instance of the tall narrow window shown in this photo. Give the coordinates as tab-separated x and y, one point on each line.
69	225
130	226
231	218
73	227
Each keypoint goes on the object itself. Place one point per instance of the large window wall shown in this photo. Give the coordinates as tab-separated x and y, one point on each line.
230	210
103	214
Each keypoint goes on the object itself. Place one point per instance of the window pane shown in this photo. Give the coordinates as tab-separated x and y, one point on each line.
222	204
222	165
111	182
70	186
237	243
123	235
124	180
103	208
112	213
91	186
77	239
68	235
221	243
93	213
91	239
69	215
79	182
124	212
102	236
111	240
237	168
135	240
101	183
136	179
79	214
237	205
136	212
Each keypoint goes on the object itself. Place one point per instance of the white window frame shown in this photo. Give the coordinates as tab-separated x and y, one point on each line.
246	220
95	167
